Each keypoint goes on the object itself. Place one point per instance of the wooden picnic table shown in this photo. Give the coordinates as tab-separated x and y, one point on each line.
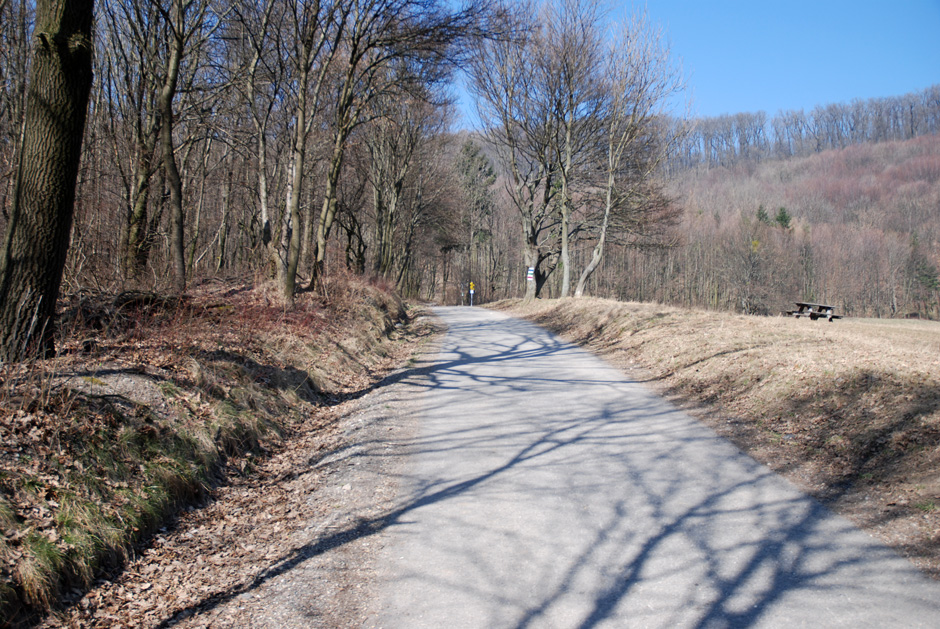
814	311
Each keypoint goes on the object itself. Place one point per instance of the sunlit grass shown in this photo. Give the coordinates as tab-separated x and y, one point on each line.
103	471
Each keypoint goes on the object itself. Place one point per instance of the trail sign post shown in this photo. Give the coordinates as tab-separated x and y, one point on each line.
471	293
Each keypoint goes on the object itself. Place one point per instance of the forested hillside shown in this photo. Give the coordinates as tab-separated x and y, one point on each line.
857	227
282	141
753	136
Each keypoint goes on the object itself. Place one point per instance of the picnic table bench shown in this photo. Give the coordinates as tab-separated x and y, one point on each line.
814	311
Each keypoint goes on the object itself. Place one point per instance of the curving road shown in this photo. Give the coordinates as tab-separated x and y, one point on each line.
545	489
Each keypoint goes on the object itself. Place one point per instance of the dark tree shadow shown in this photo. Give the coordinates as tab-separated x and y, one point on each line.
799	551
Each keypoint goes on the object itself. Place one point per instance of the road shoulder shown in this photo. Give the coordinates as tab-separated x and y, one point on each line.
291	543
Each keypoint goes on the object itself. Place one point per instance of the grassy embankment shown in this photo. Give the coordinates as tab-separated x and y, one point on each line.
848	410
152	404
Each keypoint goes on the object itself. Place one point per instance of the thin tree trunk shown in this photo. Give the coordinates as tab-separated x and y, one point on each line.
290	237
566	211
328	212
598	251
200	204
171	170
224	226
266	232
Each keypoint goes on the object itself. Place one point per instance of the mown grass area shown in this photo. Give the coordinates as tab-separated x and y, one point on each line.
848	410
151	404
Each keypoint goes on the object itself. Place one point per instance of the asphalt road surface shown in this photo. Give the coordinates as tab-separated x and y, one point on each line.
545	489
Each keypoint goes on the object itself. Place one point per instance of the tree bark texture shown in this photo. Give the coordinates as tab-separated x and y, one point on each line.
37	238
171	169
328	212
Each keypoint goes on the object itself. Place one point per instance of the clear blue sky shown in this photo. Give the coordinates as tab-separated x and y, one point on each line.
761	55
771	56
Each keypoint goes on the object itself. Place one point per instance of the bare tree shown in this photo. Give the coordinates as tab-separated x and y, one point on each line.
259	75
520	126
429	205
557	107
129	45
393	142
187	30
37	236
570	56
641	80
424	36
318	28
477	178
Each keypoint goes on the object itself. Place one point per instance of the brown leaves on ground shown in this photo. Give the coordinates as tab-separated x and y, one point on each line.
848	410
151	403
207	567
219	551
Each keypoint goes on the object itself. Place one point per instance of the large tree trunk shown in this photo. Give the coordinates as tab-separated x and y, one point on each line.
140	236
530	256
289	257
136	249
175	184
385	231
37	237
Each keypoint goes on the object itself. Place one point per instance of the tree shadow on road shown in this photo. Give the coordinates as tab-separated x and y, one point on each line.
678	489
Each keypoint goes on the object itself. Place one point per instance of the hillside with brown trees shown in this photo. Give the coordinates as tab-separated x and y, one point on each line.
754	136
857	227
270	140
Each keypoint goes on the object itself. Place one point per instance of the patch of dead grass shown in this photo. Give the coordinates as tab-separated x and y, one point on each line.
151	405
848	410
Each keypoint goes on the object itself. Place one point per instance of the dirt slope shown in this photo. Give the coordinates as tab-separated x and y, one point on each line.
159	405
287	544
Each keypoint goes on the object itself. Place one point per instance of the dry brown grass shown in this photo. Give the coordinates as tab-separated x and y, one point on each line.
849	410
151	404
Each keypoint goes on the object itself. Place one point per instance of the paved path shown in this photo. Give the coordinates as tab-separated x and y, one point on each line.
547	490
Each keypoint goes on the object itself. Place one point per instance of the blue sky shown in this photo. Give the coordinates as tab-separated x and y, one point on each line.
761	55
771	56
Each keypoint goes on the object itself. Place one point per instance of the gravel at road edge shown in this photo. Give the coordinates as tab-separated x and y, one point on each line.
288	546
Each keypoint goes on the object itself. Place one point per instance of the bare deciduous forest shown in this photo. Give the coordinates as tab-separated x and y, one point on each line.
273	140
856	227
260	182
